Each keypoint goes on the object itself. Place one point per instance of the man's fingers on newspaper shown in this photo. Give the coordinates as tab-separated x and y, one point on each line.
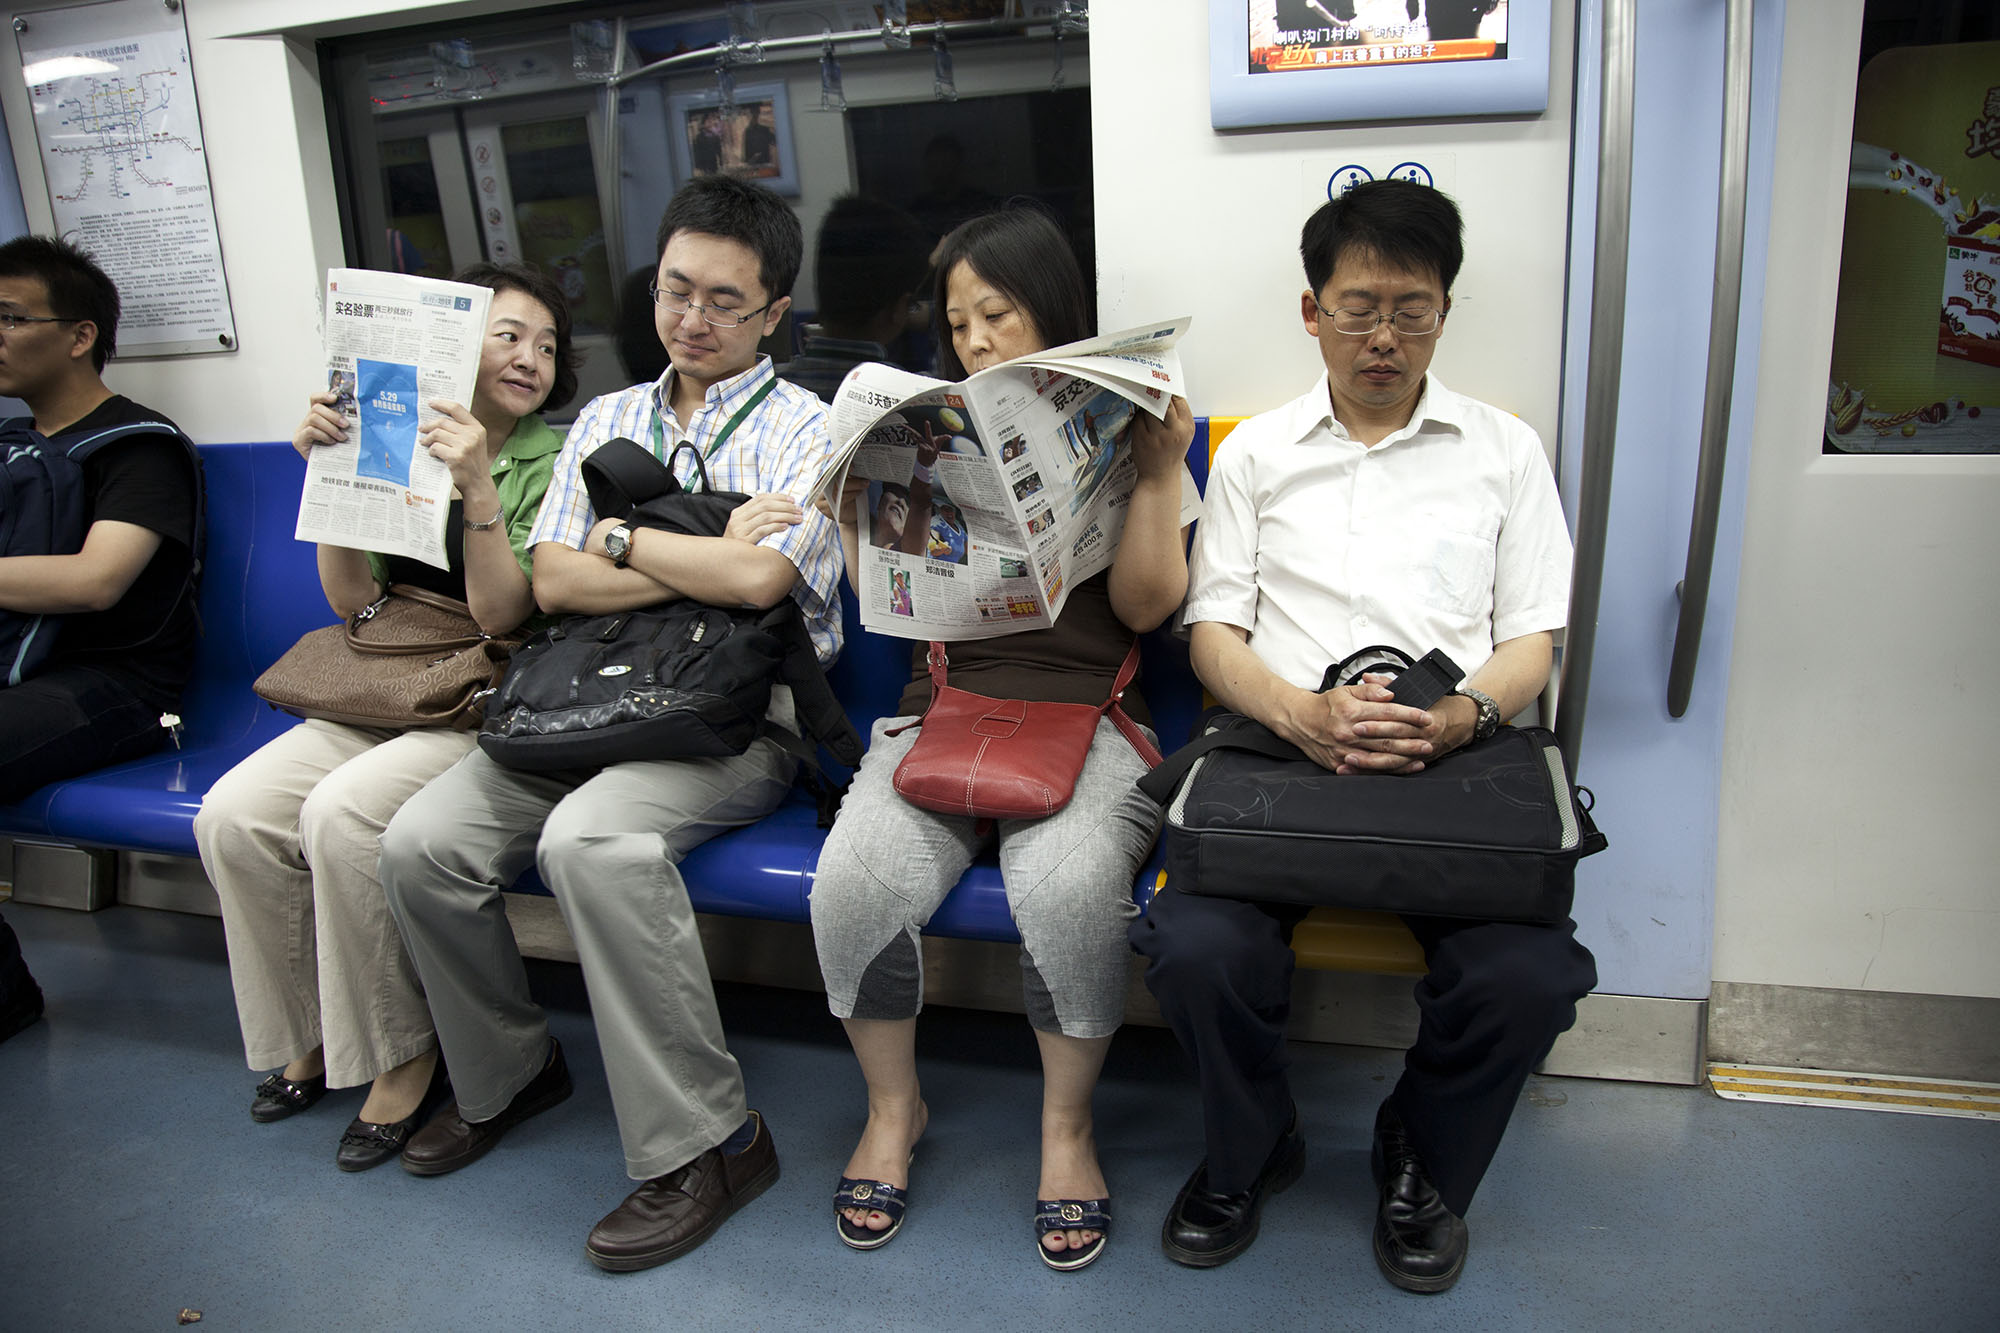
761	515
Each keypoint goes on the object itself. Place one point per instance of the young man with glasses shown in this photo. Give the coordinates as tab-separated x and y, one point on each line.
1379	508
608	842
121	609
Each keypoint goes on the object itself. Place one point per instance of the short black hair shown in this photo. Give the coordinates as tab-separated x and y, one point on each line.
535	283
869	255
740	211
1023	253
1400	222
78	288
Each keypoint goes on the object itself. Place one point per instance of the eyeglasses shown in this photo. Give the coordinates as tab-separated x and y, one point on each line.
11	320
723	318
1414	321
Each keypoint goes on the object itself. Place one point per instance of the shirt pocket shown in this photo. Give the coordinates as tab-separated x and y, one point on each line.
1458	560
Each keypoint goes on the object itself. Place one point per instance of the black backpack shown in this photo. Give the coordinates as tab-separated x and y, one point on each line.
43	507
679	680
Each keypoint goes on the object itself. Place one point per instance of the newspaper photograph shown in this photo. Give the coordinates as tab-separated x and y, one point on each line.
987	500
394	344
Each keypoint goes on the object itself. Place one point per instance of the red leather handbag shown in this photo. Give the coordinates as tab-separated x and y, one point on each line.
1006	758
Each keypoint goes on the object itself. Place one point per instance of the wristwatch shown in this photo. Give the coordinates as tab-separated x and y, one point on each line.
618	544
493	522
1488	721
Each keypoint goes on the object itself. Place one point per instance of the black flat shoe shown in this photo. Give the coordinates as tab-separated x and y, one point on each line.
1206	1228
366	1144
279	1097
1420	1244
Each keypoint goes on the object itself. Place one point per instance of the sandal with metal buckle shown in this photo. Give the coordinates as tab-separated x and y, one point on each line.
1071	1215
876	1195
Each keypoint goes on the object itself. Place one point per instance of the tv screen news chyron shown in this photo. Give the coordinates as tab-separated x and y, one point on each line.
1287	36
1295	62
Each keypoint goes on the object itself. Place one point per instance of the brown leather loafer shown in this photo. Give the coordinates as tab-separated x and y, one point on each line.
451	1141
672	1214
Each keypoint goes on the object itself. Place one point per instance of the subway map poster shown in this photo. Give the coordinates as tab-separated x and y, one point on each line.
122	153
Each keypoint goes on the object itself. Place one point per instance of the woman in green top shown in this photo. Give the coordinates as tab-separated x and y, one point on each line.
289	835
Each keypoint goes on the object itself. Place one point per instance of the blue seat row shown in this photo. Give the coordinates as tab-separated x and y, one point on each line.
260	592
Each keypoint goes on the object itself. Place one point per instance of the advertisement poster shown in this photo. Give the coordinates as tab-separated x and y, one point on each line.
1916	343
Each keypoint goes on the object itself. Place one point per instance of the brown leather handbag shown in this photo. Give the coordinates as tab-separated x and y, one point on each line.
412	659
1006	758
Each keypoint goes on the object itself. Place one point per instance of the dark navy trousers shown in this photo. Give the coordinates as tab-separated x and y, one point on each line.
1496	997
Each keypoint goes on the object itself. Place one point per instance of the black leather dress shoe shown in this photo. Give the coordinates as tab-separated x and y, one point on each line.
1419	1243
279	1097
452	1141
1206	1228
671	1214
21	1011
365	1144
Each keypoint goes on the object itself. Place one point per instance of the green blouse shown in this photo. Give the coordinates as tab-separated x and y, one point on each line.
521	474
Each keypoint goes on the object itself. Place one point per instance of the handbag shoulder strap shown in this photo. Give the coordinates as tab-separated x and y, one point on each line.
1114	708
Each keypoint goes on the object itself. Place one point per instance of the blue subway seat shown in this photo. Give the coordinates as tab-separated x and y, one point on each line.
260	592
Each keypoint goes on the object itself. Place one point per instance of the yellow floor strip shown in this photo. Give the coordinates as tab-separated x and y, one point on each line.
1824	1087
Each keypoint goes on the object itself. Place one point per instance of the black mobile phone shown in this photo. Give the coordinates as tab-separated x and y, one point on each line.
1429	679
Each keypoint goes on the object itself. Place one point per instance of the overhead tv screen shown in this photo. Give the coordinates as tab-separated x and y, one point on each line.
1291	62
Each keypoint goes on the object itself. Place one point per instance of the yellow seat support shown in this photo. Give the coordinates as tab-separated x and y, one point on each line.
1337	939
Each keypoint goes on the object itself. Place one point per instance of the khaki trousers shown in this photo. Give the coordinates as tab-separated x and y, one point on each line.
290	838
608	845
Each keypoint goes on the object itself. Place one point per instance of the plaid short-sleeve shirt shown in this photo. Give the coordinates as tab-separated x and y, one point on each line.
777	448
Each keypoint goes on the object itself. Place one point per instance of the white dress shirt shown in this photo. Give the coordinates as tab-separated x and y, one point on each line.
1447	534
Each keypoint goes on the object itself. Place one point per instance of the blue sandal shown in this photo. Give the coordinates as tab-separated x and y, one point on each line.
1072	1215
877	1196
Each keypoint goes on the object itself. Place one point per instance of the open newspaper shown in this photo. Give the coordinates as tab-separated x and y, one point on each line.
1027	490
394	343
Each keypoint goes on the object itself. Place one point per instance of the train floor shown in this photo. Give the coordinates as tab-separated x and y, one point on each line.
136	1186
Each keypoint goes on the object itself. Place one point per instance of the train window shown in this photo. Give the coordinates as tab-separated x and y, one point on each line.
495	139
1916	342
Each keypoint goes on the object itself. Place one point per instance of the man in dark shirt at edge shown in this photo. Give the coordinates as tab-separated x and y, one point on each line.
868	263
127	634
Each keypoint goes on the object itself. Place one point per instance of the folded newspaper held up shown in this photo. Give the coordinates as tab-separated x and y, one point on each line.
394	343
989	499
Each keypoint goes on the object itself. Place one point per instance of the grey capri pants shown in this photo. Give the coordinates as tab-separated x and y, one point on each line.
888	864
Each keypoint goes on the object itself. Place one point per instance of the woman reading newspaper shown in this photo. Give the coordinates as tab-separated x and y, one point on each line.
1007	286
289	836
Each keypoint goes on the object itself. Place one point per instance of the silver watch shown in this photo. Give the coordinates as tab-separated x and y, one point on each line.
1488	721
618	544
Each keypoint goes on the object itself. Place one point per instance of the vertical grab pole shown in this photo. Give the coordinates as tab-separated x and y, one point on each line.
611	186
1607	349
1723	311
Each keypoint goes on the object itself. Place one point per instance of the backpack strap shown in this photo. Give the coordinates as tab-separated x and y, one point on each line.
1159	785
621	474
80	451
820	713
